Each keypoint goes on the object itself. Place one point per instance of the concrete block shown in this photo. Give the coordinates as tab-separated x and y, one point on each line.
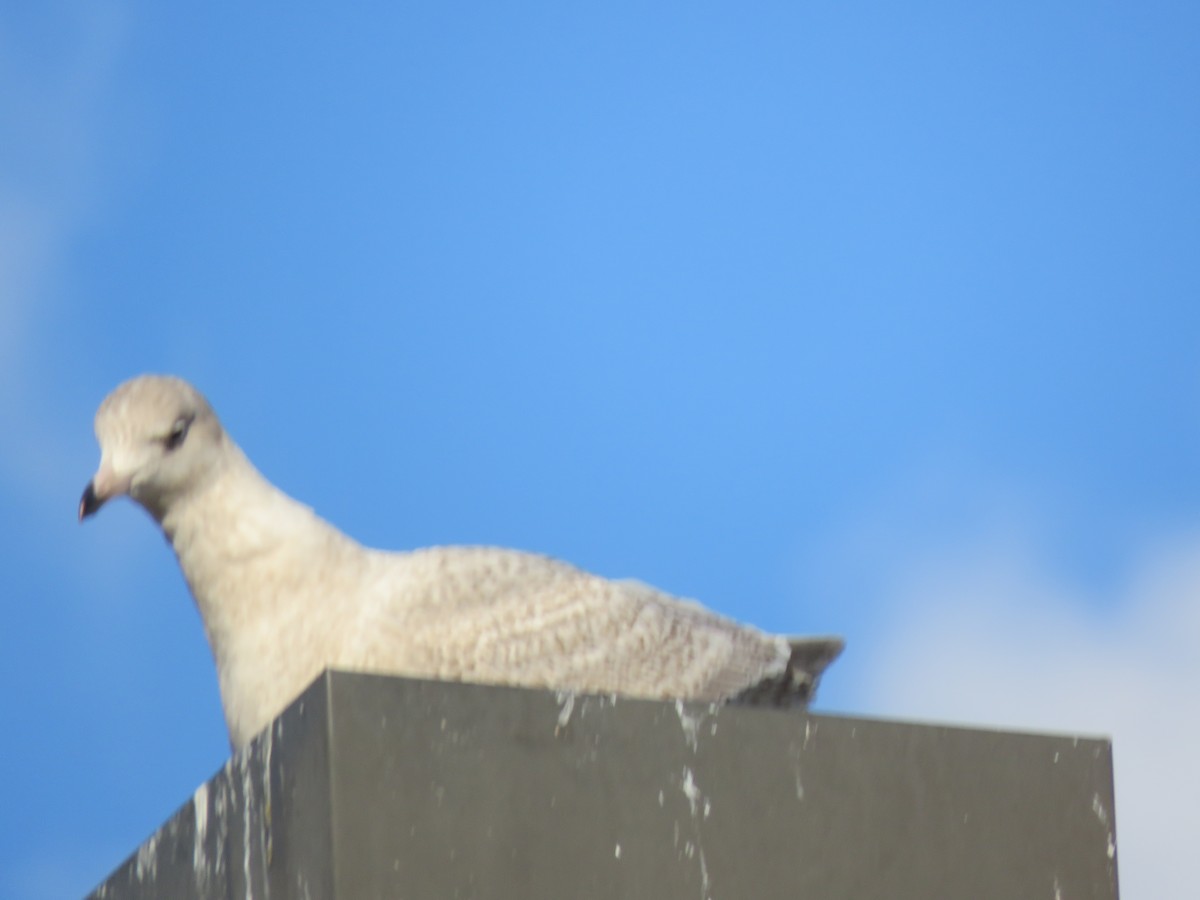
379	787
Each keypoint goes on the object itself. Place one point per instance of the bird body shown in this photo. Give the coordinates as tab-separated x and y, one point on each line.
284	595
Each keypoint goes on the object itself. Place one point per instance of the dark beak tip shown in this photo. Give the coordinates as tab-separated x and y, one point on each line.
89	502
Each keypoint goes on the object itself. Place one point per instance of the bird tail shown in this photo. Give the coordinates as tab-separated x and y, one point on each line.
797	684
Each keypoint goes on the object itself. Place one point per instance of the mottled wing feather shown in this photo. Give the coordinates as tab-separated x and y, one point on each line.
483	614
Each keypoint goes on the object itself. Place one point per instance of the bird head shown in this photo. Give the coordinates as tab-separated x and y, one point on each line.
158	439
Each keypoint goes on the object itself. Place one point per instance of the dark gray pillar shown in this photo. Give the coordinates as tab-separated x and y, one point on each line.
376	787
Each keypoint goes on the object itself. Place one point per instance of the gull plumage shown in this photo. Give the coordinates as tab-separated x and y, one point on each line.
283	594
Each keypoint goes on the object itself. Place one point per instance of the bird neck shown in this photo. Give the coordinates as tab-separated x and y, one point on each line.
238	536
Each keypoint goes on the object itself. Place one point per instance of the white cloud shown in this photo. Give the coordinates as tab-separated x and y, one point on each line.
53	100
991	636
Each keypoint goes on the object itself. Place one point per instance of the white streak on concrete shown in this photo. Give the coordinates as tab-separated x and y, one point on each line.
566	700
1102	817
688	786
698	804
690	724
243	764
200	835
268	847
147	859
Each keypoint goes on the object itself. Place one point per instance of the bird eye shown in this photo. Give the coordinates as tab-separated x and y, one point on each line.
178	432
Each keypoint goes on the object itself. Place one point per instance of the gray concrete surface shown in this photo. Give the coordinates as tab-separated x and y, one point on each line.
378	787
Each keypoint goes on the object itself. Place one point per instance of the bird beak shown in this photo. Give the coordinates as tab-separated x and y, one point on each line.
89	503
104	486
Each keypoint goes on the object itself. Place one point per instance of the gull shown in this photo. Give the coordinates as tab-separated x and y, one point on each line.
284	595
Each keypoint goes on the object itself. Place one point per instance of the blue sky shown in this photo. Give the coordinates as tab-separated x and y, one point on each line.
866	320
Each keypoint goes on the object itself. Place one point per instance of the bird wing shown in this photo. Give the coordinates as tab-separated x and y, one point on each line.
502	616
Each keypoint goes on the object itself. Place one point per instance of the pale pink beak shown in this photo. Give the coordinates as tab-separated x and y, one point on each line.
104	486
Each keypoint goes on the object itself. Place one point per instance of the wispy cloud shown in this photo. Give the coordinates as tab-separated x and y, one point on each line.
53	97
991	635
